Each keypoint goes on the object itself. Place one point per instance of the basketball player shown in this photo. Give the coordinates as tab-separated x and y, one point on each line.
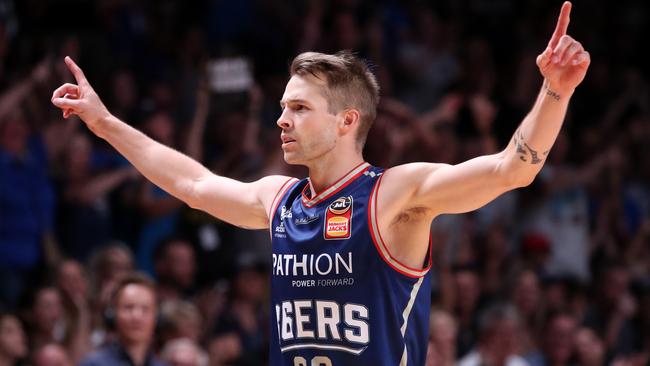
350	243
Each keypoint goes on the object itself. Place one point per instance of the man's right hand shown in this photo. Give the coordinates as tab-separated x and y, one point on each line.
80	99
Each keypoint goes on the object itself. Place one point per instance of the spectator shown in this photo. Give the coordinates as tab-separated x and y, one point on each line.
73	285
184	352
225	349
44	316
108	266
527	298
442	339
159	209
467	294
26	204
175	264
557	293
590	350
13	343
562	217
124	97
51	354
133	311
495	260
85	215
179	319
612	312
498	339
558	341
245	315
72	279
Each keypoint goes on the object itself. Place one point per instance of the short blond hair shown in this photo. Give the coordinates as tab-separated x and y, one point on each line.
349	83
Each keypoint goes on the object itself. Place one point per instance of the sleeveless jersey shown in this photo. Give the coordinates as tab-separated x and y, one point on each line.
338	297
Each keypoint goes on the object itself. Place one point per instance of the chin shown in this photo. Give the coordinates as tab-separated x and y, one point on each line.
292	159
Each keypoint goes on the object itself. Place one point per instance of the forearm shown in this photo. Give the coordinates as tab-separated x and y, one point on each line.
169	169
14	97
51	251
78	343
194	143
532	141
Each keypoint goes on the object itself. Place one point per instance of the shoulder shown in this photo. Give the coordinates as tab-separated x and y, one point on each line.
398	188
412	172
406	179
271	187
271	184
416	168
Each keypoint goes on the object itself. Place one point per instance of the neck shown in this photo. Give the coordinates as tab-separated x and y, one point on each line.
137	352
328	169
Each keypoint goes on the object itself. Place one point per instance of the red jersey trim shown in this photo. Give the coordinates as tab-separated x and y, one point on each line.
380	245
276	201
335	187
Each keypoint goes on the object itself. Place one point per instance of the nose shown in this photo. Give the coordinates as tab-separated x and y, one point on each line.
283	121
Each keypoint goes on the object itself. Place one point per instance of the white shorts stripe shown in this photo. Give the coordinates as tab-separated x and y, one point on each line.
355	351
405	317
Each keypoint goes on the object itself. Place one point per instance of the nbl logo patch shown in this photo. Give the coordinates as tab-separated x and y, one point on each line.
338	219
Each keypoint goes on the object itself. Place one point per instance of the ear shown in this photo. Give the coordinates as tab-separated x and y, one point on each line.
350	121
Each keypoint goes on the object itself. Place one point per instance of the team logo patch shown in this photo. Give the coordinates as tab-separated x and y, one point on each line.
338	219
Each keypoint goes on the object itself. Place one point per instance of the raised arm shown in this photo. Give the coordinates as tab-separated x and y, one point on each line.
441	188
242	204
15	95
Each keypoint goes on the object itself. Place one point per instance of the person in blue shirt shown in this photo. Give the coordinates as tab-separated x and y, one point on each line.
26	204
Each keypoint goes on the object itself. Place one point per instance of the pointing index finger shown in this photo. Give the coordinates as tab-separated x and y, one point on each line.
76	71
562	24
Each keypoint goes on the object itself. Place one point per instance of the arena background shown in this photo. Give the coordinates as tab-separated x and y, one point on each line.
567	259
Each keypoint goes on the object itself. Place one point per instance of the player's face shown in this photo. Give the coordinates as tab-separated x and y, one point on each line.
309	130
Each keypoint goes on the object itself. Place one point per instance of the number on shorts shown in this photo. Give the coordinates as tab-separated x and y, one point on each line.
316	361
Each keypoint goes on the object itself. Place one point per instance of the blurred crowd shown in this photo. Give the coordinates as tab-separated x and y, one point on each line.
554	274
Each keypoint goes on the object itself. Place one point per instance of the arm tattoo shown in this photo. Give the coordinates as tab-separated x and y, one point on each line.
552	94
523	149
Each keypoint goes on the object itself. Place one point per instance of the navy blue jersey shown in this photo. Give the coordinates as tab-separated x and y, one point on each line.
338	297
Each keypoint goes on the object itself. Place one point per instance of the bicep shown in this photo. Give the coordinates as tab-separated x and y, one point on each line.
239	203
460	188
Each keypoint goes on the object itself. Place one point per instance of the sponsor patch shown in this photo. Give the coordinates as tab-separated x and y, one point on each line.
285	213
338	219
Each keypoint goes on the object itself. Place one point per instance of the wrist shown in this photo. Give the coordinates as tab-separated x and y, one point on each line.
101	125
556	92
